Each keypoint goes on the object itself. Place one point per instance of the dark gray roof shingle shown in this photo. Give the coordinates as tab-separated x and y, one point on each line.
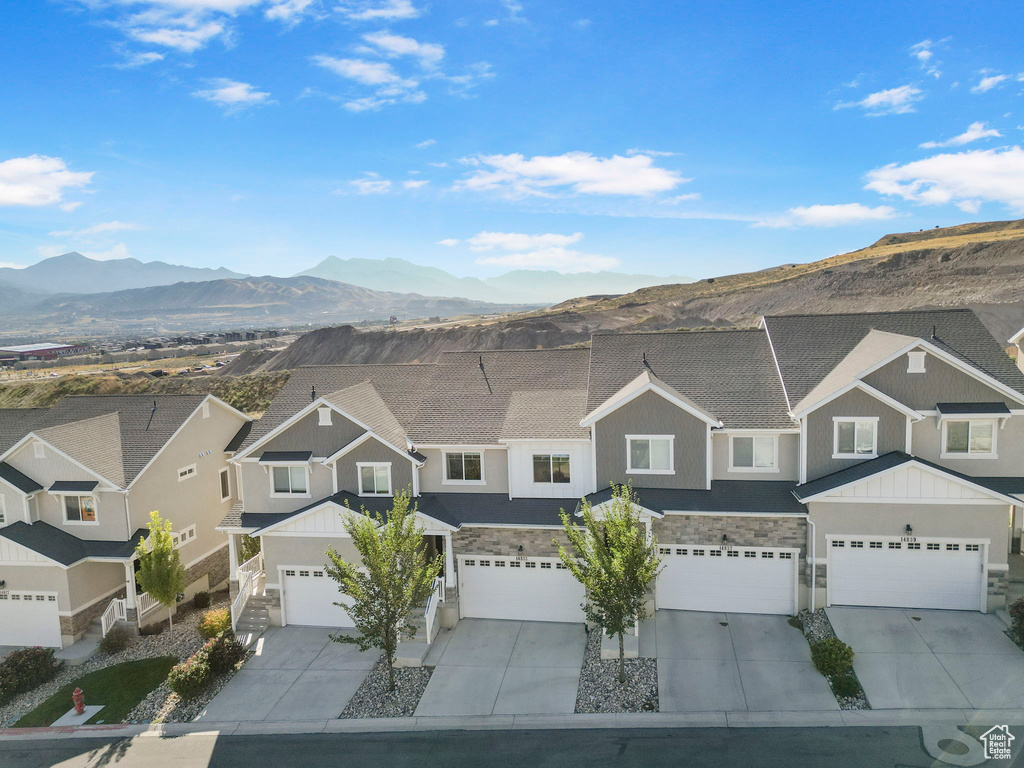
772	497
64	548
19	480
74	486
994	409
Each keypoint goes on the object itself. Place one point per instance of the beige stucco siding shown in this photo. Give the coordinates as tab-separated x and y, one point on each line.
651	414
1009	461
373	451
940	383
282	551
43	578
974	521
788	460
91	580
892	430
196	500
495	473
307	435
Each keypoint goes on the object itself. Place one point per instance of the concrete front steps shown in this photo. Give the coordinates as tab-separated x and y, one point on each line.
411	653
254	620
84	648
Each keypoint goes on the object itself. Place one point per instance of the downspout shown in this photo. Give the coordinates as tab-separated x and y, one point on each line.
812	561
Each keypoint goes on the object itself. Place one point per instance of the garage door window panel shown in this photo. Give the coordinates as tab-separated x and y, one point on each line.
855	438
649	455
974	438
551	468
290	481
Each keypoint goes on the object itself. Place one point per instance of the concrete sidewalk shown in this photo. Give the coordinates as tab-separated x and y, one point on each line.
863	718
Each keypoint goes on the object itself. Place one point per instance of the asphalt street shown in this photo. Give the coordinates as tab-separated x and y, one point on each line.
718	747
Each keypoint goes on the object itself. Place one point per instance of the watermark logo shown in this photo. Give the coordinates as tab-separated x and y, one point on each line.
997	742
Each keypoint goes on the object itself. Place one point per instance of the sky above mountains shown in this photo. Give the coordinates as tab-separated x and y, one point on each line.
479	137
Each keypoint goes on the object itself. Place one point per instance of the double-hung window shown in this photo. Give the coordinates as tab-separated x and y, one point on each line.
464	467
79	509
225	484
753	453
290	481
969	438
551	468
649	454
374	479
855	438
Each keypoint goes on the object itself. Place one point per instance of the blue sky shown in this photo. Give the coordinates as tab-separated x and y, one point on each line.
689	139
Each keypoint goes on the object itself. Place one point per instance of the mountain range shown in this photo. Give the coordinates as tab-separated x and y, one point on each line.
522	286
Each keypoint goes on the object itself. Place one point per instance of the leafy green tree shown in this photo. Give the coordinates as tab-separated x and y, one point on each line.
615	562
250	547
394	577
160	573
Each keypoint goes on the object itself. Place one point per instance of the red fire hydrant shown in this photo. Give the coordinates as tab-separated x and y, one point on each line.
79	698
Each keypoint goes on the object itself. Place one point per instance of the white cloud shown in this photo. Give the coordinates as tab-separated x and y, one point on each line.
371	184
188	38
98	229
428	54
829	216
288	11
415	183
926	56
39	180
449	241
573	172
514	241
119	251
675	199
233	95
894	101
388	10
11	265
427	143
652	152
965	179
974	132
986	84
363	71
438	165
133	60
558	259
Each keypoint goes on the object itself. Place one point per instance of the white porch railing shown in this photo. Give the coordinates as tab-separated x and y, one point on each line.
146	603
253	565
248	575
435	599
115	612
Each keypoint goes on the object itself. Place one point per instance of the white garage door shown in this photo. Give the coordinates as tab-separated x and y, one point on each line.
29	618
905	574
728	579
309	595
528	589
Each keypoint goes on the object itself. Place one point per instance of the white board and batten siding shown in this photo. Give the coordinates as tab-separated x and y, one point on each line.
15	554
520	480
907	572
912	483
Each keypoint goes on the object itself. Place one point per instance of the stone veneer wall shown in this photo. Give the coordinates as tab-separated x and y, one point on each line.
997	583
216	566
536	542
742	531
77	624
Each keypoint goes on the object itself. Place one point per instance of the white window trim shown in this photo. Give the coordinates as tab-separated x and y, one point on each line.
444	469
220	482
184	536
375	464
915	361
550	454
191	471
64	508
275	495
835	437
671	455
775	455
324	416
944	454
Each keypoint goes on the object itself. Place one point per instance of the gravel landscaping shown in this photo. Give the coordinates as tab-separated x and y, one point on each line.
600	690
181	643
817	627
373	699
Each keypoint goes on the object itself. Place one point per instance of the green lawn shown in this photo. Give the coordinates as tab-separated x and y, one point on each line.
119	688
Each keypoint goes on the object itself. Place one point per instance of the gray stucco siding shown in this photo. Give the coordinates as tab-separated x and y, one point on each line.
256	481
307	435
892	430
373	451
940	383
651	414
495	473
1009	461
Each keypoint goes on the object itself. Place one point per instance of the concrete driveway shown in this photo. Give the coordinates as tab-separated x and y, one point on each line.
932	659
487	666
295	673
732	662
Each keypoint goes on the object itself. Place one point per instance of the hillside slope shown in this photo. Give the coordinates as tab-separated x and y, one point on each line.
976	265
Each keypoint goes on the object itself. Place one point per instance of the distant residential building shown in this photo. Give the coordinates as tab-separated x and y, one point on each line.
41	351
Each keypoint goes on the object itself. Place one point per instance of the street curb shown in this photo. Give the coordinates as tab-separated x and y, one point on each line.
873	718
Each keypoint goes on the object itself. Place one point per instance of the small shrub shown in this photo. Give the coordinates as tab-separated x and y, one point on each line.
215	622
222	653
153	629
25	669
189	678
846	686
201	600
1016	611
115	641
832	657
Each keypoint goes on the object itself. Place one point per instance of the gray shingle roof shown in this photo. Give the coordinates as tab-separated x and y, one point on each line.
808	347
74	486
994	409
94	442
546	414
363	403
773	497
730	374
276	456
66	549
19	480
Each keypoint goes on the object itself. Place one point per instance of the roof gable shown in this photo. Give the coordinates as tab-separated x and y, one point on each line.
648	382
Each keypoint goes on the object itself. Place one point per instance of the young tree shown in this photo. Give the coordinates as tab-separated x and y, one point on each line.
615	562
394	577
161	573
